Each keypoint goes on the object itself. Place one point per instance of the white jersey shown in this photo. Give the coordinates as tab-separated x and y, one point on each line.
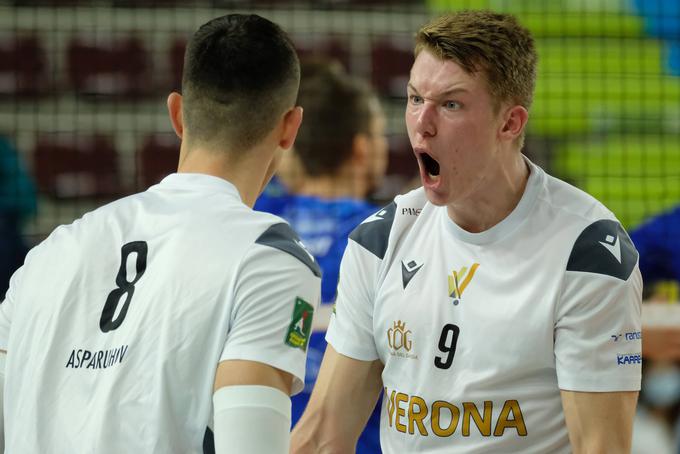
479	332
115	325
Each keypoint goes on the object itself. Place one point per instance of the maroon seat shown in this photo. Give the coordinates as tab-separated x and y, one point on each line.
392	60
23	67
70	166
176	57
109	67
157	158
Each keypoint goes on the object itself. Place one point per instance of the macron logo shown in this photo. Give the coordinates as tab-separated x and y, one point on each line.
408	271
613	245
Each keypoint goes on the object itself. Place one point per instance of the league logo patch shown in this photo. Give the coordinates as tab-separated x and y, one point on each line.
300	326
459	280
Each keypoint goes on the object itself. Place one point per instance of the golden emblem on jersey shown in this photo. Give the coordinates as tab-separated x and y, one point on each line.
399	340
459	280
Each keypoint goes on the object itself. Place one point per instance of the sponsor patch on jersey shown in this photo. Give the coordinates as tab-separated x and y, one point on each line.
300	327
625	359
459	280
399	338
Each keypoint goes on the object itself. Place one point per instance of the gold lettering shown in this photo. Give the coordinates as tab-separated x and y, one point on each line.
517	422
417	416
401	397
436	410
484	425
390	405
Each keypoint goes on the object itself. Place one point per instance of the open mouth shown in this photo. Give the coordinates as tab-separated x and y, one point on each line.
431	166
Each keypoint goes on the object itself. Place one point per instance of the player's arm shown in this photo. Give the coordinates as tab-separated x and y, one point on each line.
343	398
598	340
600	422
263	360
349	380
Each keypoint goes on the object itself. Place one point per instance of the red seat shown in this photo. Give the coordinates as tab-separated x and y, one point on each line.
23	67
392	60
157	158
109	67
176	57
70	166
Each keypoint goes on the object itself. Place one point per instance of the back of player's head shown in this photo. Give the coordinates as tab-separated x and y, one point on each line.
337	108
482	41
241	73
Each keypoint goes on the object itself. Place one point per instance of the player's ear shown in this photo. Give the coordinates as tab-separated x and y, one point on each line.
515	120
360	150
291	124
175	112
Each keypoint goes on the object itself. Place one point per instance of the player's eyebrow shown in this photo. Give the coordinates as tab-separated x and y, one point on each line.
449	92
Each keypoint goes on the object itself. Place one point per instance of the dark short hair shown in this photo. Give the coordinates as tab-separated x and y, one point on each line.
491	43
337	107
241	73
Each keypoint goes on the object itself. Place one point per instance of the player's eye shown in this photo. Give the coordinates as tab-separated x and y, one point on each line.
415	99
452	105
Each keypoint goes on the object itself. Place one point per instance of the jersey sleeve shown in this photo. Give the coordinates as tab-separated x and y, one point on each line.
598	319
350	331
7	307
277	292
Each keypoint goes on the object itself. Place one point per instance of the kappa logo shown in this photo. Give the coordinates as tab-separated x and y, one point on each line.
408	270
613	245
459	280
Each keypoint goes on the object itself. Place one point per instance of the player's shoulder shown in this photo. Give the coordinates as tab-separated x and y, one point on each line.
373	234
599	243
274	235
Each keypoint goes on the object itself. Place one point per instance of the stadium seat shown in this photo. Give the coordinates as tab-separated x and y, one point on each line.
157	158
109	67
392	59
23	66
69	166
176	63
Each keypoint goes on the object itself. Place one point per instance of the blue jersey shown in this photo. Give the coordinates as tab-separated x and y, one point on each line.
658	242
324	226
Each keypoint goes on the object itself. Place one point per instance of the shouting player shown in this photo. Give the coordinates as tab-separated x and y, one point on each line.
497	307
135	327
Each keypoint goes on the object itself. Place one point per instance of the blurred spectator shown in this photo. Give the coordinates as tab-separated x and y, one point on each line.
340	158
17	204
658	242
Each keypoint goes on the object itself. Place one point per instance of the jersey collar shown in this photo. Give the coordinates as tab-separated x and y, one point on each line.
200	182
512	221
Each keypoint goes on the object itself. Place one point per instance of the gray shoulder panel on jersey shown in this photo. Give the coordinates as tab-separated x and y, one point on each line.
374	232
282	237
604	247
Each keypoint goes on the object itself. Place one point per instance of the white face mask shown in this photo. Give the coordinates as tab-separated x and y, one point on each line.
661	387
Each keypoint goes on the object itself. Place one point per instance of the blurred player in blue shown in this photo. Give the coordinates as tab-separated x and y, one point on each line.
341	157
658	241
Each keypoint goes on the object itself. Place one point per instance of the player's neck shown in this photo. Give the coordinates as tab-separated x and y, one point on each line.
499	197
247	173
